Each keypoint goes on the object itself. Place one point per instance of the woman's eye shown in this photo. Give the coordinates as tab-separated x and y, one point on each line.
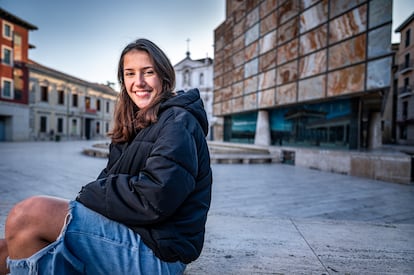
148	73
128	73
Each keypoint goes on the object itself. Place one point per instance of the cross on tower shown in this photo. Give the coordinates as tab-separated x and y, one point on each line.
188	47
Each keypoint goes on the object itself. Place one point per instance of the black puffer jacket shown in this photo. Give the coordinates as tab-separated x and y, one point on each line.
159	185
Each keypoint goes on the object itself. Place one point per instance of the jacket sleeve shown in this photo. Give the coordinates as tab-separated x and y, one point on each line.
158	190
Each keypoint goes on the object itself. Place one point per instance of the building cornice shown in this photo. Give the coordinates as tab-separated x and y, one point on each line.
16	20
34	66
405	23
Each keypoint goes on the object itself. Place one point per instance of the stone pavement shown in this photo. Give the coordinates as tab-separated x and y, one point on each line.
264	218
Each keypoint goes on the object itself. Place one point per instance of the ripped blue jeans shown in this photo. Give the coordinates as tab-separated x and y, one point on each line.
92	244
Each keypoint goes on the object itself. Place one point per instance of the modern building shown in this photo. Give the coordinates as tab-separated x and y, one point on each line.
14	77
303	73
198	73
405	83
66	107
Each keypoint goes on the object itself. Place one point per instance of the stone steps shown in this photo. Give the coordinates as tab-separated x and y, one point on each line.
228	153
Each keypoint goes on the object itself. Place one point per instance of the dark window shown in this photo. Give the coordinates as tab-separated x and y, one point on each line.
44	93
107	106
61	97
98	127
87	102
75	100
6	90
7	31
60	125
18	83
403	132
406	84
7	56
43	124
407	37
98	104
407	61
405	109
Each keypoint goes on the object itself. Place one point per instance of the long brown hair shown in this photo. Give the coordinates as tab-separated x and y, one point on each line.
128	118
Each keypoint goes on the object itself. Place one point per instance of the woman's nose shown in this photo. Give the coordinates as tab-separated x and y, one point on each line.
140	80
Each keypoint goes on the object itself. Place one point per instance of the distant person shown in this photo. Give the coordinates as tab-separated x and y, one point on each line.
147	210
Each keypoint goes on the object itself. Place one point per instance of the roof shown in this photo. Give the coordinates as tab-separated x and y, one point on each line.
54	73
16	20
405	23
197	62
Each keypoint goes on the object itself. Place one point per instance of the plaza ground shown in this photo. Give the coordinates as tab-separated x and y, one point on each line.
264	218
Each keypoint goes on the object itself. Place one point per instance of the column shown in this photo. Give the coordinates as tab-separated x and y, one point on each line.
262	136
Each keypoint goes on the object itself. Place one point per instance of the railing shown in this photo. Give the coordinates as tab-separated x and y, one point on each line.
406	66
90	111
405	91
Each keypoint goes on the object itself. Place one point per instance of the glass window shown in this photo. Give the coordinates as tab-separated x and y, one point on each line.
407	37
60	125
87	102
7	88
43	124
240	128
407	60
403	132
7	56
98	104
18	83
107	106
17	41
75	100
44	94
320	125
7	30
98	127
405	109
74	126
61	97
201	79
186	78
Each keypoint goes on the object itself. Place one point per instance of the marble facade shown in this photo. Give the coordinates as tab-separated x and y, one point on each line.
271	53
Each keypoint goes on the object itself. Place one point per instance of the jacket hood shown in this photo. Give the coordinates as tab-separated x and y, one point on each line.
192	102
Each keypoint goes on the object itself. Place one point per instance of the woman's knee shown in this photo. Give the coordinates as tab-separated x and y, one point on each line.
34	215
20	215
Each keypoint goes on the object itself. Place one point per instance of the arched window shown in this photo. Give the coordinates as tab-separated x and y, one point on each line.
186	79
201	79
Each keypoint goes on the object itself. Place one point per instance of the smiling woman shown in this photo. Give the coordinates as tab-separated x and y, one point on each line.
148	207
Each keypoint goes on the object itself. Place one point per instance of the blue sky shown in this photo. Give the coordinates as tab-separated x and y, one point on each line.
84	38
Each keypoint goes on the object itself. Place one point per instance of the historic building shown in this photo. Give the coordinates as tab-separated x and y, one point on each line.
63	106
405	83
14	77
303	73
198	73
40	103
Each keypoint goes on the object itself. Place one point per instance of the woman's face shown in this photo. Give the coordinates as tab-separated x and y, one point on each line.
141	81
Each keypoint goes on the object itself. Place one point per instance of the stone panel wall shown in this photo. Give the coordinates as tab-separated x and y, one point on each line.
298	51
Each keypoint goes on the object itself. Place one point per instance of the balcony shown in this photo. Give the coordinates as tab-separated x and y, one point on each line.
406	67
90	111
405	92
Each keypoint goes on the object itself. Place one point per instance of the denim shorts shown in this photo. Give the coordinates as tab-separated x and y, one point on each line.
92	244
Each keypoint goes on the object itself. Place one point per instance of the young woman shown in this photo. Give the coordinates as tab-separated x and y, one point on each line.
146	212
